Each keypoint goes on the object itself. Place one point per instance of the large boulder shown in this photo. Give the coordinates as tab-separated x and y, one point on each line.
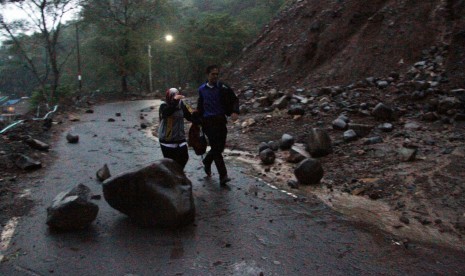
158	194
72	210
309	172
319	143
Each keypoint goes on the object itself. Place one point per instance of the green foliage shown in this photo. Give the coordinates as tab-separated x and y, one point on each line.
63	94
122	31
213	39
114	37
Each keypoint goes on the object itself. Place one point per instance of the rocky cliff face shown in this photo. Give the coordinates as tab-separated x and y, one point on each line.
314	43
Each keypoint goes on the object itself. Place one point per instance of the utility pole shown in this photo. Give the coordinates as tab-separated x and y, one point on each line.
150	68
78	59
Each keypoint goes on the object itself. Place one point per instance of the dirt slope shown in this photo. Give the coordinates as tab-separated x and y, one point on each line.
319	60
315	43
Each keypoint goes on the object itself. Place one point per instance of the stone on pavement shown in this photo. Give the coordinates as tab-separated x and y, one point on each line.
72	139
158	194
72	210
103	173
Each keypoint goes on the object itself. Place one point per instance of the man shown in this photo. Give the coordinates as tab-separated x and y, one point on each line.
216	101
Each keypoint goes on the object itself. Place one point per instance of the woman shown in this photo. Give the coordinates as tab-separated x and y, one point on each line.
171	132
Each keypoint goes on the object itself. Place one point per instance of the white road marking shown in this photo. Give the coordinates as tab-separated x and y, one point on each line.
7	234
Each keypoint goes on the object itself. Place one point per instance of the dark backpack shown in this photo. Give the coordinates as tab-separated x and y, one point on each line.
197	139
228	99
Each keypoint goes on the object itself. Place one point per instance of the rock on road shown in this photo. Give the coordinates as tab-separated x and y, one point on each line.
249	229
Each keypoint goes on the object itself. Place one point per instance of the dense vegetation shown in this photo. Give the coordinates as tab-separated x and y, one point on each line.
113	39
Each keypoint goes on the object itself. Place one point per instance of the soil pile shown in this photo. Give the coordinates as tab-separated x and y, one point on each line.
320	61
315	43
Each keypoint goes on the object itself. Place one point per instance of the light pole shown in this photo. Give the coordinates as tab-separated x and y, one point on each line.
78	60
168	38
150	68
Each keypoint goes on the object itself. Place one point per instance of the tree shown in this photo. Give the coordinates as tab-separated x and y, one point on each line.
46	19
123	29
214	39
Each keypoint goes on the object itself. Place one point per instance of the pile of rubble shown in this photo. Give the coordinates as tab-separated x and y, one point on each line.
398	139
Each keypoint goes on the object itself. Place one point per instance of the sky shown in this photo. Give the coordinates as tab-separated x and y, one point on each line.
11	12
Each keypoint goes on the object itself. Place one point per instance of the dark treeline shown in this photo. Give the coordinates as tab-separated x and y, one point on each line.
113	38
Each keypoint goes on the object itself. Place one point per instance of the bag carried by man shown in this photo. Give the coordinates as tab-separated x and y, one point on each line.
197	139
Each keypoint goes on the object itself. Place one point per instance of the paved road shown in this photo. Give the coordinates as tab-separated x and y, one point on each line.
248	229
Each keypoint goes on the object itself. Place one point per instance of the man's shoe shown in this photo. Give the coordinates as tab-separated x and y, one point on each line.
207	169
224	180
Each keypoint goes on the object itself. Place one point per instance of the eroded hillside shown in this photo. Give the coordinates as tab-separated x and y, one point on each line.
315	43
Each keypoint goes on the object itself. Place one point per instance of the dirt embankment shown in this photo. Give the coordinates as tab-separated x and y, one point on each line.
319	43
332	58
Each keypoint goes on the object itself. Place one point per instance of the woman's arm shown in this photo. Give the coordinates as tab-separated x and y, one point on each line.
167	110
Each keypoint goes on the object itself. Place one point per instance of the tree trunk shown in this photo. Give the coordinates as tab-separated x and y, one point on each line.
124	83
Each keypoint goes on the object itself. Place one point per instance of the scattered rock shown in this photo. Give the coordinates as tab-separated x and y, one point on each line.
309	172
373	140
319	143
103	173
404	219
339	124
72	139
37	144
293	184
286	142
386	127
263	146
382	112
267	156
26	163
296	155
72	210
274	145
350	135
407	154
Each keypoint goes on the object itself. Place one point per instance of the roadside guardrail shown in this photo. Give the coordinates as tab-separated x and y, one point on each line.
17	123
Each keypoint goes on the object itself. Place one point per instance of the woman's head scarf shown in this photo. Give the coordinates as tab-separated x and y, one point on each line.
170	93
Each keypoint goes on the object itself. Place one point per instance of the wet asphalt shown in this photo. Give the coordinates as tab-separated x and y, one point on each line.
248	228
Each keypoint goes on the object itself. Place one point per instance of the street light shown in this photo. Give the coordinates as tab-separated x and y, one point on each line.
168	38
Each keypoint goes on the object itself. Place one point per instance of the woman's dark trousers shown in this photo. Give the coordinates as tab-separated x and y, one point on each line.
179	154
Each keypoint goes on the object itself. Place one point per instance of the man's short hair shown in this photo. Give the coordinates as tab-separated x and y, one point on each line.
211	67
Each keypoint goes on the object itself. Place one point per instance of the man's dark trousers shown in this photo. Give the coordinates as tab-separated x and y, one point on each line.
216	135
